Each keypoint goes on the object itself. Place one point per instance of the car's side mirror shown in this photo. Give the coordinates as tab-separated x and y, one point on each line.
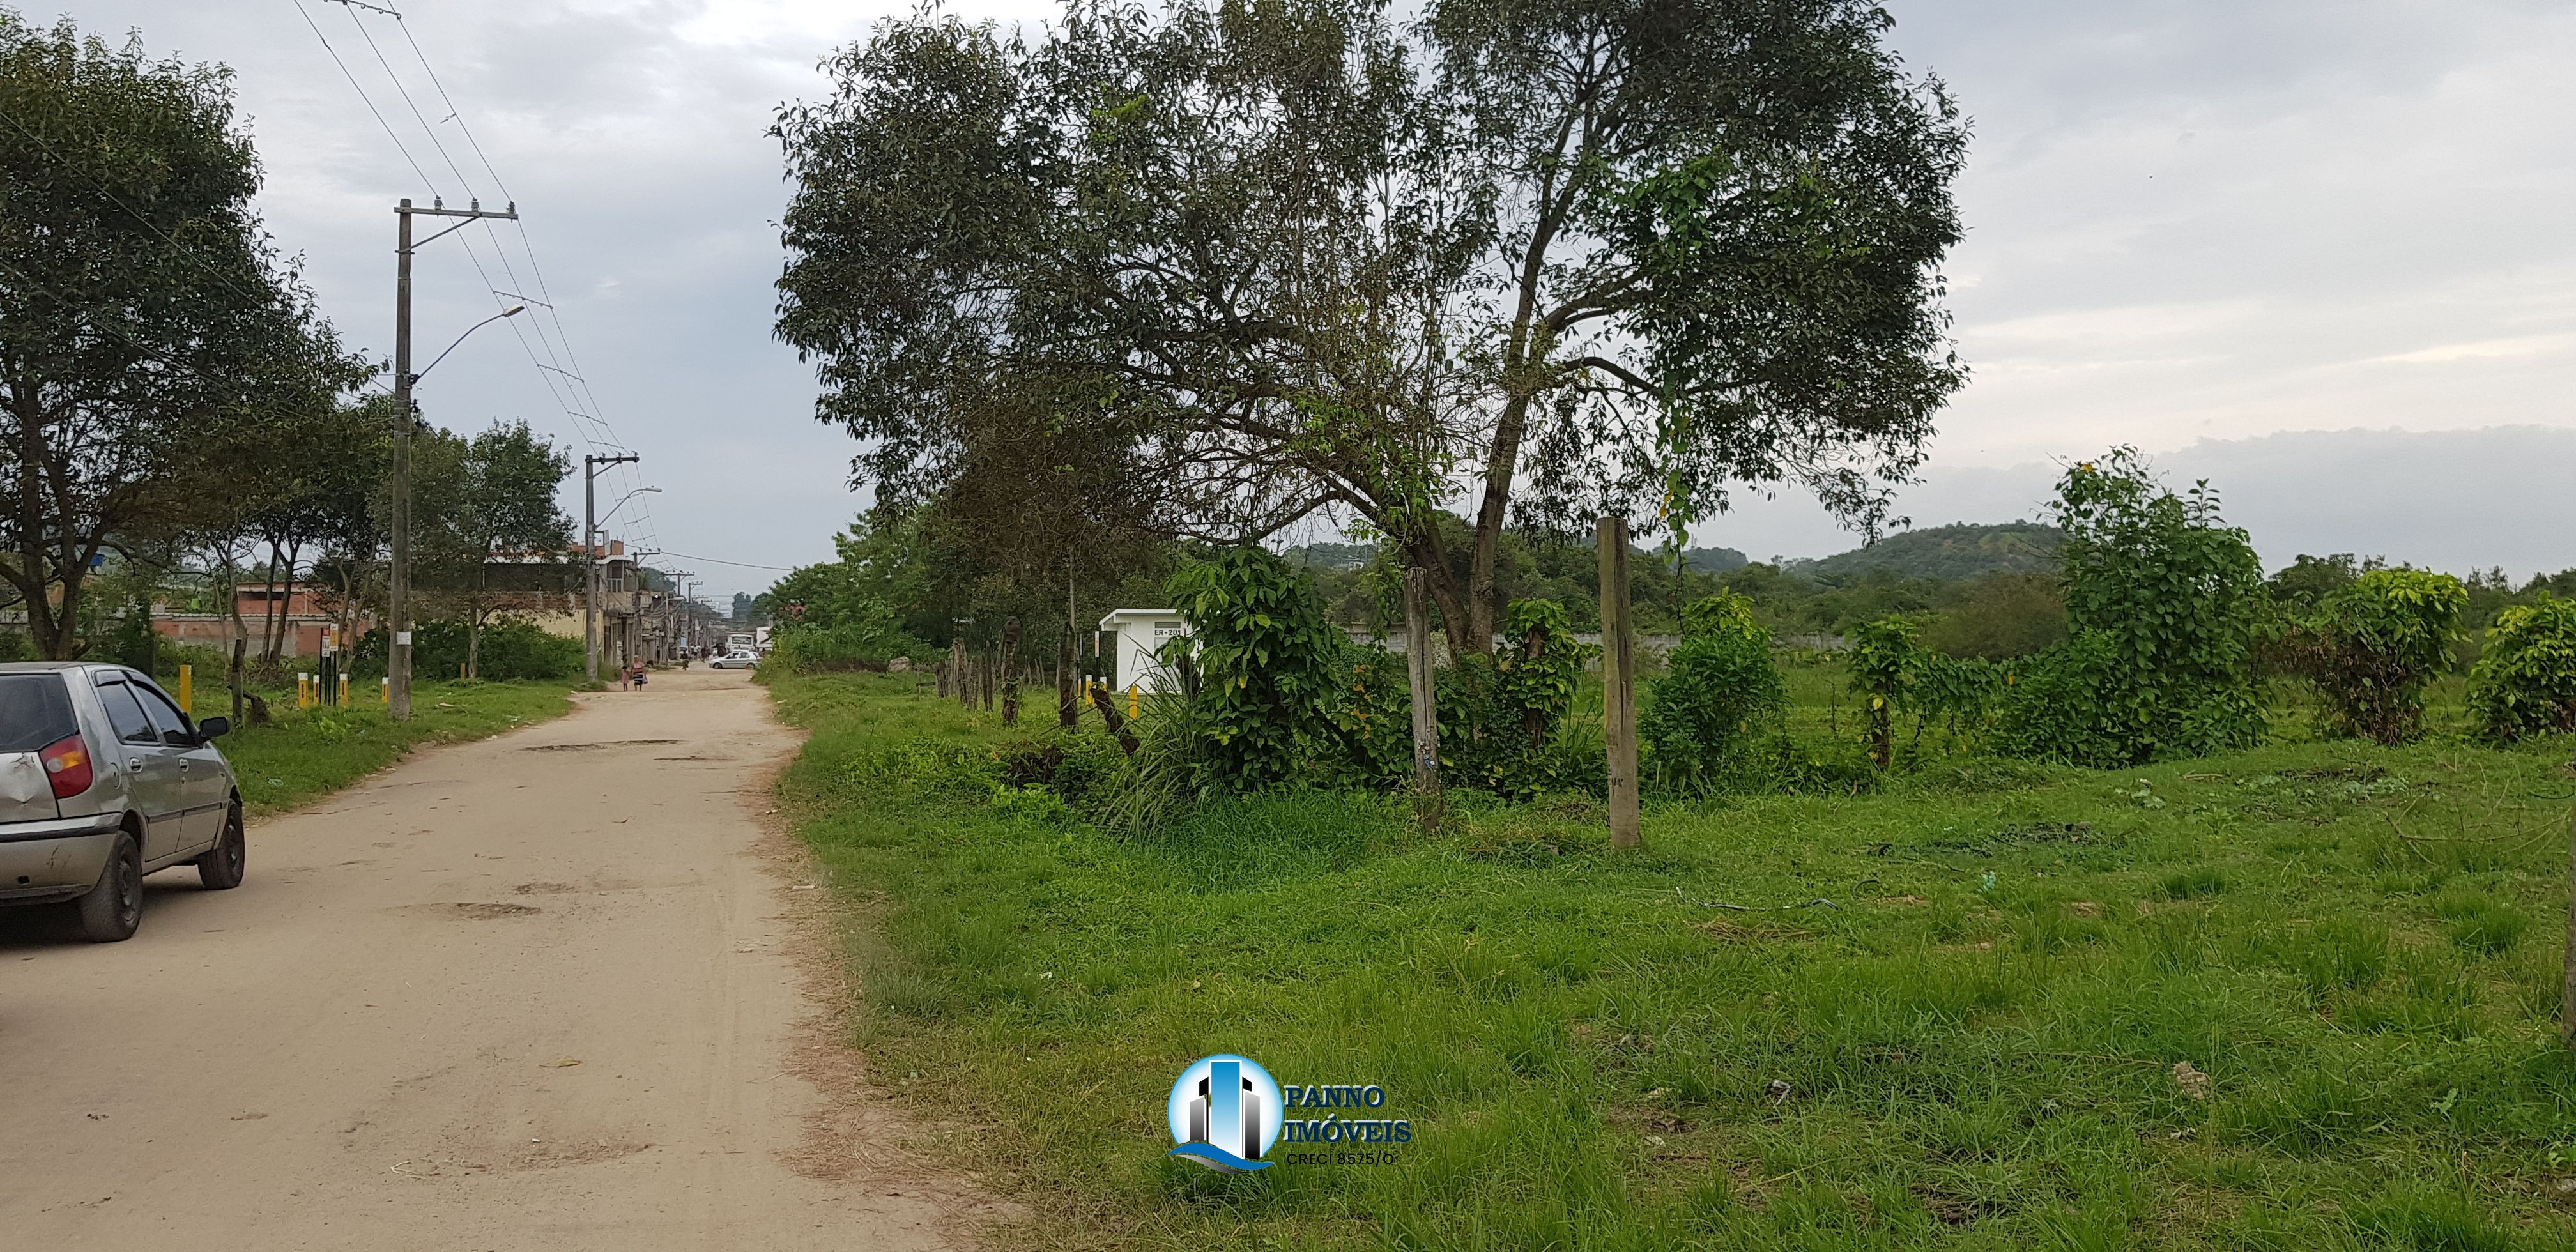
214	727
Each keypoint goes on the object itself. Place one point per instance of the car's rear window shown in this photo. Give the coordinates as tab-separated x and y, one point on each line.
35	710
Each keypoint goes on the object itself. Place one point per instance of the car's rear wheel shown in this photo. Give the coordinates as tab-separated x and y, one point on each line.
221	868
114	907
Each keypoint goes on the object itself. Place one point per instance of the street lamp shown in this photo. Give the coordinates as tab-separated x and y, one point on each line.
512	311
398	582
590	545
398	575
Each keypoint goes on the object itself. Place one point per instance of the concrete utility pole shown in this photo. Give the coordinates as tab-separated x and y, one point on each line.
398	580
590	559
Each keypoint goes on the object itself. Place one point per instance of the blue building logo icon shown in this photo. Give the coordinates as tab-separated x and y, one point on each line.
1225	1112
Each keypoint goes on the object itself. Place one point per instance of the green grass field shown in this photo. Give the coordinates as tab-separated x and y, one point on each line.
304	754
1945	1014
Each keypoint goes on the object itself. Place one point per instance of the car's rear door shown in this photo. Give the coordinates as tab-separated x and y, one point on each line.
151	768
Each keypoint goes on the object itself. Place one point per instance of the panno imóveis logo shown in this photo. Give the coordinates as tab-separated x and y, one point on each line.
1225	1112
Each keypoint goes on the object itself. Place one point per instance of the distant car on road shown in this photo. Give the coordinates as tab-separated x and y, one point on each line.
734	660
103	780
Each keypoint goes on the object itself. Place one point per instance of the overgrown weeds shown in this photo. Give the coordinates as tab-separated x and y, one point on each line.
2036	1015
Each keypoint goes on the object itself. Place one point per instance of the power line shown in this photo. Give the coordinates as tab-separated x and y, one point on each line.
573	396
362	94
783	569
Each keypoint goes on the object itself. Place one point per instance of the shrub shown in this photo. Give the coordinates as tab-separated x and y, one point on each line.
1886	658
2000	615
2161	604
2368	648
509	650
2054	707
1539	667
1262	659
1502	718
2525	680
1896	677
859	644
1698	724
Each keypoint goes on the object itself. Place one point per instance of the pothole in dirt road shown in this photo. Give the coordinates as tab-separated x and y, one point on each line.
594	747
468	910
544	888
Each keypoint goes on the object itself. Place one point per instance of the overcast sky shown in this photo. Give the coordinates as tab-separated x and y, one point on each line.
2318	252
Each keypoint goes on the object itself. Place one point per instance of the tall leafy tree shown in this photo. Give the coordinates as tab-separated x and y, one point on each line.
142	309
483	500
1295	256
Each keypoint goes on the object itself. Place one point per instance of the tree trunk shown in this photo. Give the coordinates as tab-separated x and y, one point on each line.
1066	712
268	609
1619	683
957	666
1011	671
1109	717
1429	556
1484	598
31	531
1426	716
241	648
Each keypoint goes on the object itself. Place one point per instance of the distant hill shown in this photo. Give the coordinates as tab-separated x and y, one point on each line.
1341	556
1714	560
1947	553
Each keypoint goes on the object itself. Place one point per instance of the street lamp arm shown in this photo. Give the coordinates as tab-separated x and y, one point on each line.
512	311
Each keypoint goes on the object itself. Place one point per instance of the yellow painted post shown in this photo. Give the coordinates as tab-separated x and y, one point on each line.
384	691
344	691
1132	707
188	689
303	690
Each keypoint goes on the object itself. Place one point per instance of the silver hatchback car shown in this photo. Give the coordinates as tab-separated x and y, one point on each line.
103	780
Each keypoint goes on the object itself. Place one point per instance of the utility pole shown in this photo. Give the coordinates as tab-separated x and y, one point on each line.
406	415
590	466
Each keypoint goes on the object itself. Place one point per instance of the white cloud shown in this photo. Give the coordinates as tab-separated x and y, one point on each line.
2195	220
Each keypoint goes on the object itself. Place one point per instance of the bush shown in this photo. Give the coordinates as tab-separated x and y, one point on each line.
847	645
2000	615
1700	720
2056	707
1259	665
508	651
2369	647
2161	604
1897	677
1886	658
2525	680
212	664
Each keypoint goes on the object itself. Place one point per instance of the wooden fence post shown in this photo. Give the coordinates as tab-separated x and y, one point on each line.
1619	684
1426	716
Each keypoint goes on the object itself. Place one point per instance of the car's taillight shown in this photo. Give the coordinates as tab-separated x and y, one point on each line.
67	764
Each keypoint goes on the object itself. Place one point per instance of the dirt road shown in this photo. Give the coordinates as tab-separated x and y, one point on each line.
533	992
